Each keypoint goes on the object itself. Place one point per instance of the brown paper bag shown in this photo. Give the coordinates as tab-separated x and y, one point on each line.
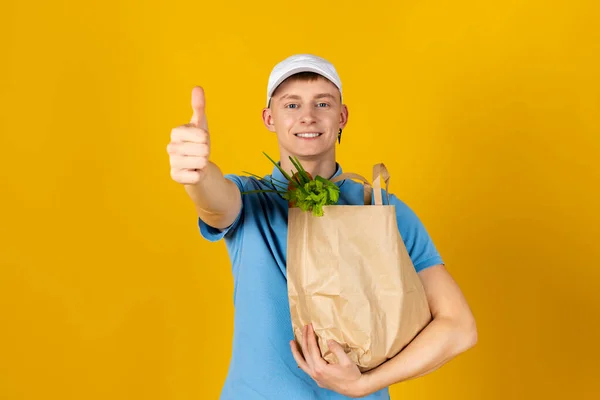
350	275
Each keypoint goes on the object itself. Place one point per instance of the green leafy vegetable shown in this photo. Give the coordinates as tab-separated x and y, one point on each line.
301	190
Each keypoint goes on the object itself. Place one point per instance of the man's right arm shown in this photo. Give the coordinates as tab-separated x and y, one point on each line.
217	199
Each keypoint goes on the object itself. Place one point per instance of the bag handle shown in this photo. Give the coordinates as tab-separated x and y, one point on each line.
367	185
379	172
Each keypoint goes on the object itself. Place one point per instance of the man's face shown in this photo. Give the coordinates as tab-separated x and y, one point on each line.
306	116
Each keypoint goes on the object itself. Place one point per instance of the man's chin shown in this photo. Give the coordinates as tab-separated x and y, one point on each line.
308	154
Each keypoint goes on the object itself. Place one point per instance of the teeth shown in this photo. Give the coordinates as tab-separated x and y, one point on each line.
307	135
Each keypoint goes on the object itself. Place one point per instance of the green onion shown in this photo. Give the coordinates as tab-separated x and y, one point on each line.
302	190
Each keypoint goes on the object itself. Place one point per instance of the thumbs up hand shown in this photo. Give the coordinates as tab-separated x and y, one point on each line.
189	147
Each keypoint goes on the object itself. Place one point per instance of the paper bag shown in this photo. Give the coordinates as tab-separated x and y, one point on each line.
350	275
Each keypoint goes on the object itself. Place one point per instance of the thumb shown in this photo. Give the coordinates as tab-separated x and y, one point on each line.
338	350
198	106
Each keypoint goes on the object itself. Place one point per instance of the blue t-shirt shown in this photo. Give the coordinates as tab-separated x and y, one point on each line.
262	366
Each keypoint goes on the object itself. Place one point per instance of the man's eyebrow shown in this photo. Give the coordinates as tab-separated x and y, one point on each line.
321	95
291	96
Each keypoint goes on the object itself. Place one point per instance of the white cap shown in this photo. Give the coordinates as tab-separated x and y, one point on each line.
301	63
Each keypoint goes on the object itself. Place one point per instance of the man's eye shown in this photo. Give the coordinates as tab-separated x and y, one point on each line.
323	104
291	105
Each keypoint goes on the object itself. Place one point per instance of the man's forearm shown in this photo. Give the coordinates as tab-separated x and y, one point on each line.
216	199
438	343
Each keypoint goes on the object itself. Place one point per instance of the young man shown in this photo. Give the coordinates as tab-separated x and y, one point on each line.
305	110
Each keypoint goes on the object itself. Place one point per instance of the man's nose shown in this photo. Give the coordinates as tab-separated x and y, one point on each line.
308	115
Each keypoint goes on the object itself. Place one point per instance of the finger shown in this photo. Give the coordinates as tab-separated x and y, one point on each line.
298	357
339	352
189	134
188	149
305	349
198	106
314	350
185	176
188	162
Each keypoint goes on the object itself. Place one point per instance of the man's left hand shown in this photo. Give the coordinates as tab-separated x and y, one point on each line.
343	377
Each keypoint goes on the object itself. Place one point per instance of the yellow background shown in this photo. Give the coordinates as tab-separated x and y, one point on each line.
486	114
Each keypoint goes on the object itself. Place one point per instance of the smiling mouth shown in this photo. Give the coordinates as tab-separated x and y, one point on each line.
308	135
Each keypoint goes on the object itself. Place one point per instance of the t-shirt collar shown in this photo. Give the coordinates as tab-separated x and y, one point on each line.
280	179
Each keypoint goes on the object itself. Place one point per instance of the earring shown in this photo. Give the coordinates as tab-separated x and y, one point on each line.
340	136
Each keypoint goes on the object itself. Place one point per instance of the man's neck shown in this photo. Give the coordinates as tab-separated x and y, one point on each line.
324	167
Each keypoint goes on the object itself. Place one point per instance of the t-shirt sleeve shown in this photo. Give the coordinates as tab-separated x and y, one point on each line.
417	240
213	234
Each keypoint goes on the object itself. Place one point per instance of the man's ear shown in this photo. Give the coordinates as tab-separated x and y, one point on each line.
267	117
343	116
